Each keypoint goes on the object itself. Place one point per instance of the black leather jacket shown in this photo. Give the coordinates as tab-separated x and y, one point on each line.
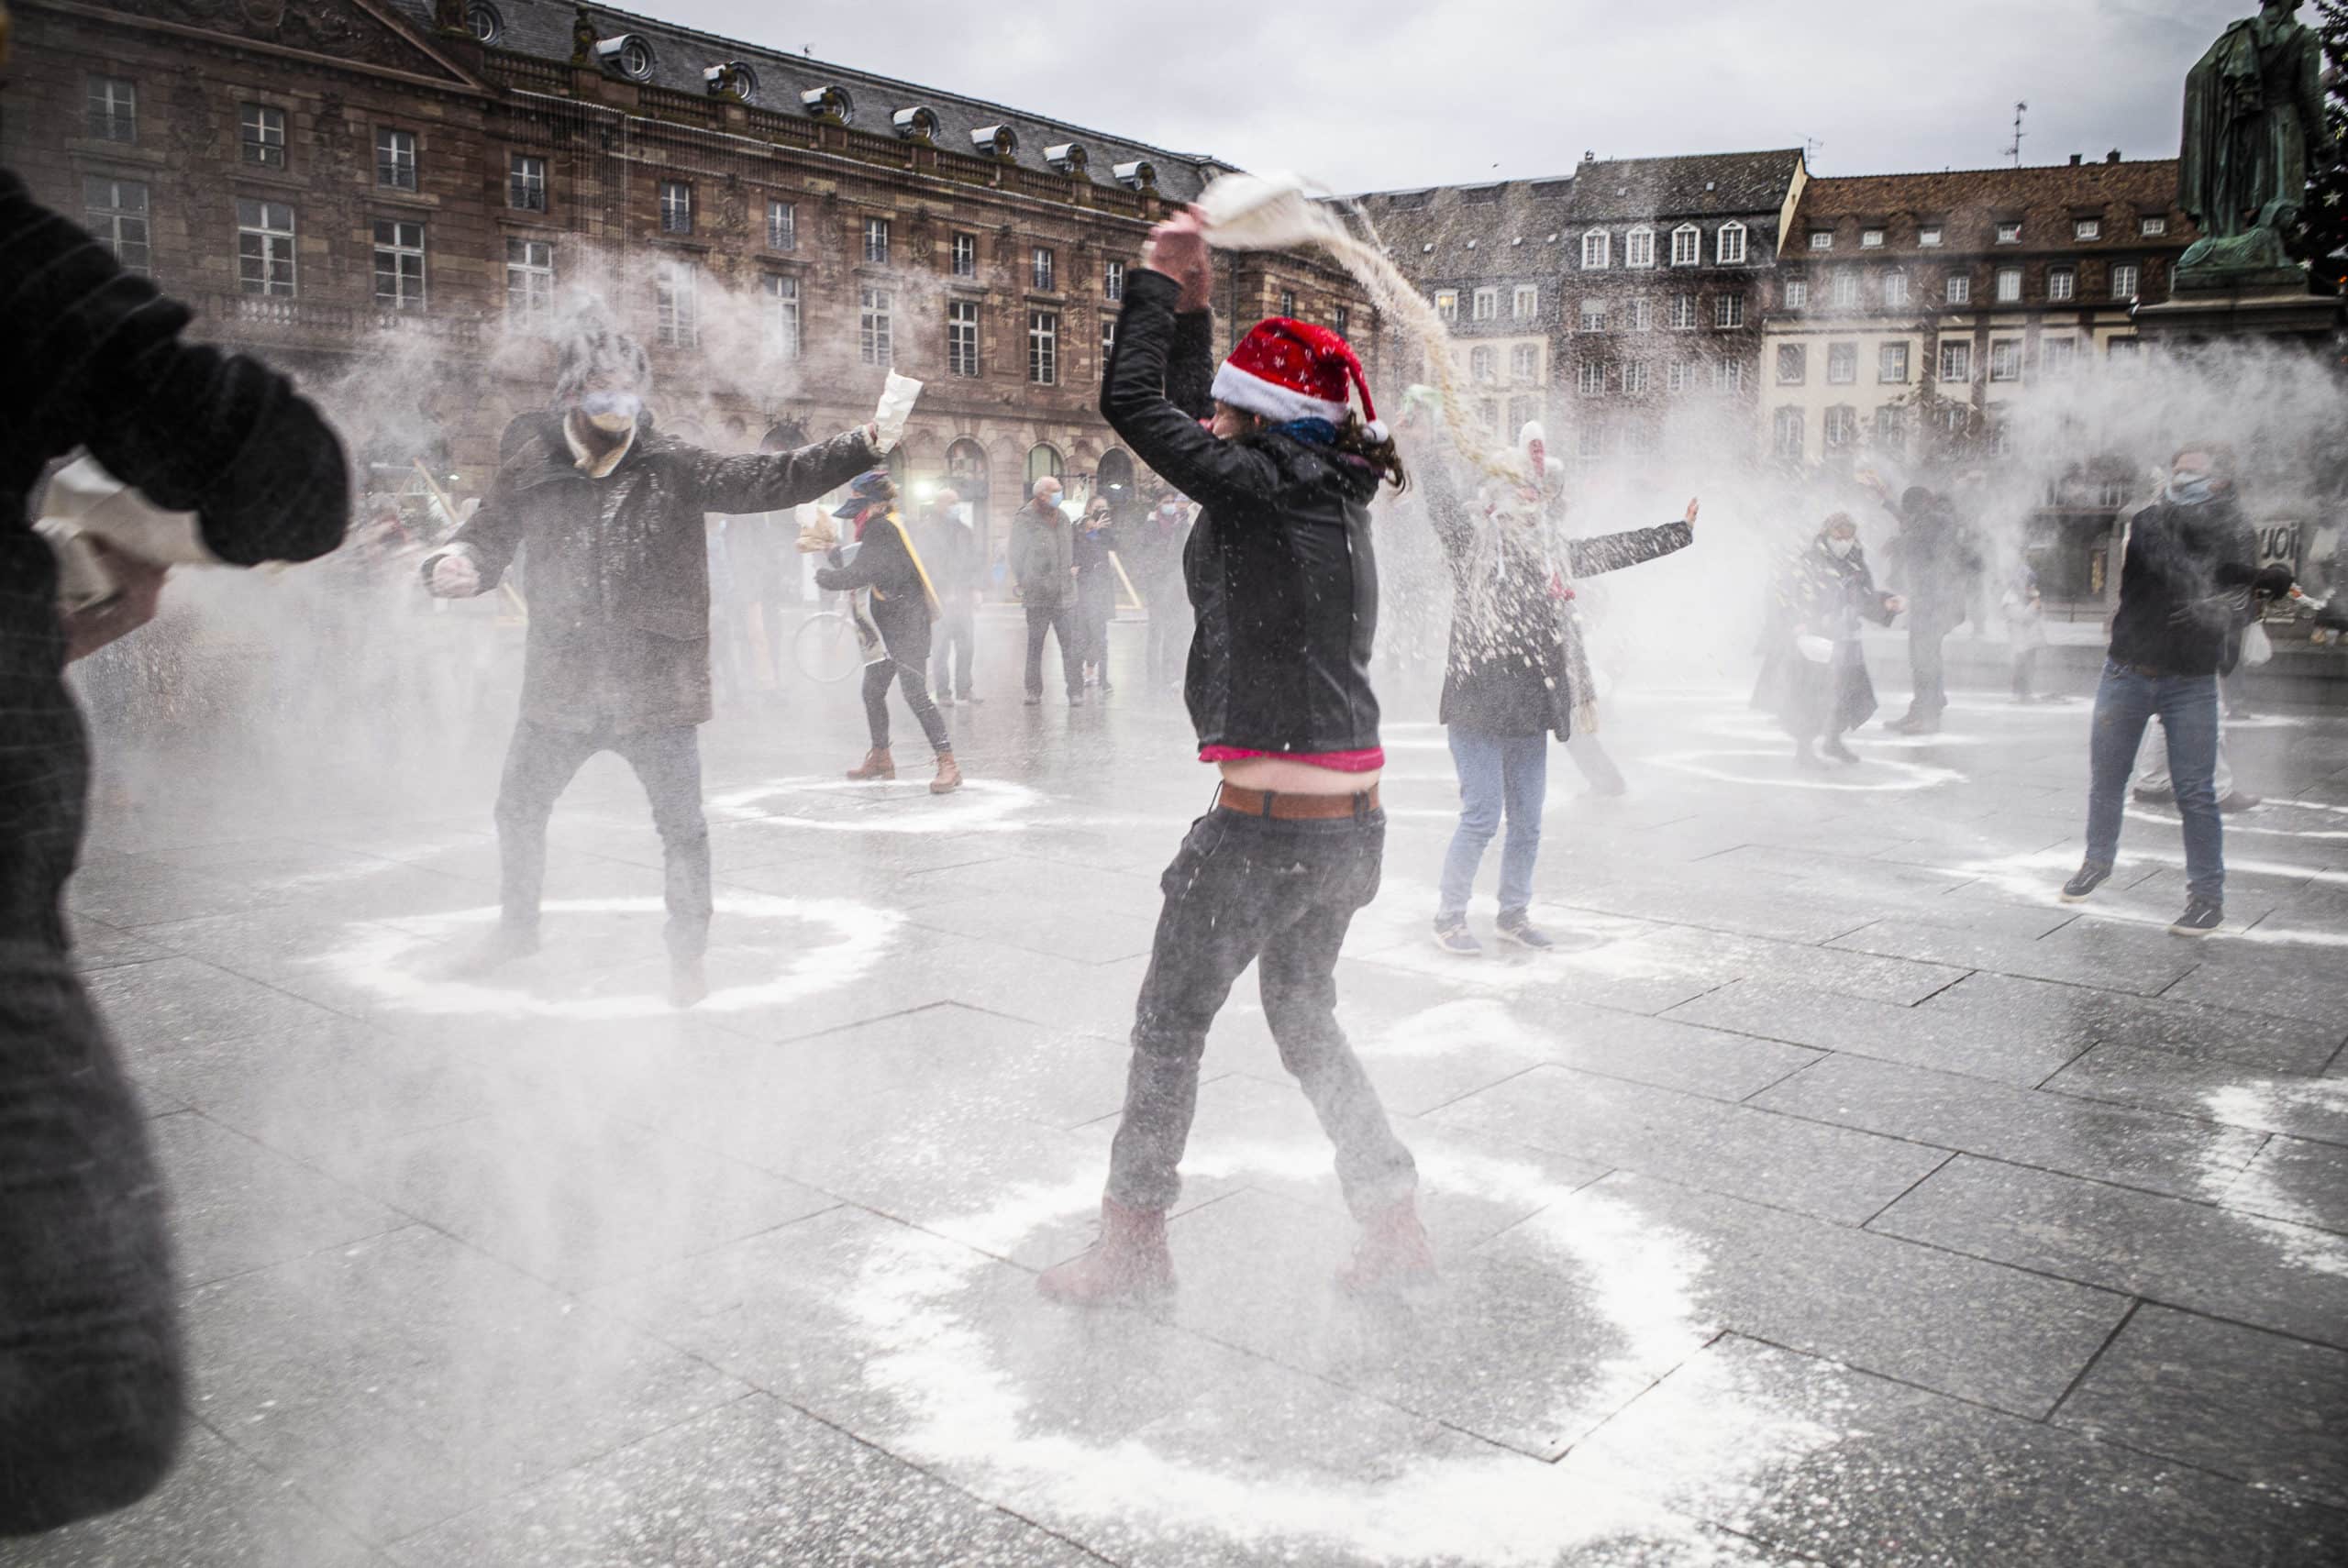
1279	567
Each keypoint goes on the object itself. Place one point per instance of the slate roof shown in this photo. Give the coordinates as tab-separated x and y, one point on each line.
1708	184
542	28
1970	203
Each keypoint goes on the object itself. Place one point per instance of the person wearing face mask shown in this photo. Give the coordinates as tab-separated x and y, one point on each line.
1815	675
903	605
1157	550
1043	560
2189	580
1096	591
617	655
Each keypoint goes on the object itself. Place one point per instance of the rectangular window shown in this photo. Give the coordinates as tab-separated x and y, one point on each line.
1638	248
2123	352
1635	376
1043	348
260	131
1108	344
782	315
1846	288
1728	310
1042	270
1342	319
2062	283
1521	410
966	256
264	247
1524	362
676	206
1929	236
395	159
962	337
1789	433
1891	364
1731	245
1524	302
2124	280
2087	228
1687	246
676	304
1728	375
1680	376
116	212
2005	359
1822	240
1842	364
1112	281
2152	227
1890	429
782	226
2058	356
1797	293
1446	305
1488	305
2009	285
112	109
2009	234
875	339
529	277
1589	378
1895	291
1591	444
1841	427
1870	240
875	244
1793	364
525	182
1956	362
1593	316
399	265
1960	288
1288	303
1683	312
1596	250
1479	364
1642	314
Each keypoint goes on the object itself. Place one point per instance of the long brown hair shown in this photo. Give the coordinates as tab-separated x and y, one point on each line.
1353	439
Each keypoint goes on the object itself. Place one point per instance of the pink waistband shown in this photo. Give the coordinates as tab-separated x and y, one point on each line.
1369	761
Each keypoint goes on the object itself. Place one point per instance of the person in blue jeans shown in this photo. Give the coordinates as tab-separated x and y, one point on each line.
2187	583
1513	676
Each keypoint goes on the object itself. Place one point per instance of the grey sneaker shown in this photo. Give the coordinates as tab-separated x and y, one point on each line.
2083	881
2201	917
1515	926
1453	936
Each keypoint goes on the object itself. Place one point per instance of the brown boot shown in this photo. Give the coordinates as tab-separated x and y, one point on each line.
877	764
1129	1263
1393	1253
949	775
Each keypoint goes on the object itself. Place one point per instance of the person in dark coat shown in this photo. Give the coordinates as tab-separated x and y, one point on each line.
1043	562
92	1387
1096	591
1936	561
617	655
1157	540
1514	678
1283	573
903	605
1813	672
949	548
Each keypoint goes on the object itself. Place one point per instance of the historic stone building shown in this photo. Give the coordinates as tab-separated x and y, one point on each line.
395	198
1609	302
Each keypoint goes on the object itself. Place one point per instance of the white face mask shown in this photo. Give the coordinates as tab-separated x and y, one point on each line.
1842	547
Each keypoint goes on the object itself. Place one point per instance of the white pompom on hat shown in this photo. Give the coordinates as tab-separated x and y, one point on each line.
1286	370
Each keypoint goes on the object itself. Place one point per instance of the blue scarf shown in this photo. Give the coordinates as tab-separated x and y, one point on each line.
1312	431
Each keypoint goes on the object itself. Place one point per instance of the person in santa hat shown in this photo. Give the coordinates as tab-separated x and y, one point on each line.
1282	576
1517	674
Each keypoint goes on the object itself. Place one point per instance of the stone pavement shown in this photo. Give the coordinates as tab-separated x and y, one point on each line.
1833	1195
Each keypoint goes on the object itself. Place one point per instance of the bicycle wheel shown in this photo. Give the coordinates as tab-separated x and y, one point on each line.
825	647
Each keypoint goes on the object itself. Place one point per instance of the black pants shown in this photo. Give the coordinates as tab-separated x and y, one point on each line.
1096	606
957	634
1060	621
1924	660
909	678
90	1369
540	766
1279	894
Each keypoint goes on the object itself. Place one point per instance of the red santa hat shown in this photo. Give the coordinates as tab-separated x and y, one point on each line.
1286	370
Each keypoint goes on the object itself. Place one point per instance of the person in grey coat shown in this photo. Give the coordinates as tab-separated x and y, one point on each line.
1043	561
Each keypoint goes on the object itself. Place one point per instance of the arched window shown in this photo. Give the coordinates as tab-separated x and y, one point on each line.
785	434
1043	459
1731	245
1687	245
1116	475
1638	247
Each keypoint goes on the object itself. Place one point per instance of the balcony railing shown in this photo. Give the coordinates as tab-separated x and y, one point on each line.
277	317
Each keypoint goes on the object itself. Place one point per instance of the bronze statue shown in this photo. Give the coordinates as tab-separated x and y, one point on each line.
2253	119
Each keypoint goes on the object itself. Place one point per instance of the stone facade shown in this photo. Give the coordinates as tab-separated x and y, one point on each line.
342	187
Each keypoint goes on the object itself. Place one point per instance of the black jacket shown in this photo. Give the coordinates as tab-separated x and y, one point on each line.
2185	588
949	548
885	564
618	574
1513	658
1279	567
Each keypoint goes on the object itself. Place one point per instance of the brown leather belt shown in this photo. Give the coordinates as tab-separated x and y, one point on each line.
1295	808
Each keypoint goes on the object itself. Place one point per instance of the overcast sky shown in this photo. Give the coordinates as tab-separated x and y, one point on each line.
1399	95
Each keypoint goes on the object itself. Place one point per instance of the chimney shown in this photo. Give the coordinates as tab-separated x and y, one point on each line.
2112	157
2074	161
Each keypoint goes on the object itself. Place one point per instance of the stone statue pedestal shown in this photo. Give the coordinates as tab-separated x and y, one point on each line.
2277	311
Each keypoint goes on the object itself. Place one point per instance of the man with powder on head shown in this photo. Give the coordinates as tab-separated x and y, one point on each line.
617	658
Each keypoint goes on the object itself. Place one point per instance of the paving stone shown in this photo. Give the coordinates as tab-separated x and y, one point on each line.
2160	1154
2281	980
155	1007
312	1095
2262	1407
2287	1277
1921	1036
2294	1179
1831	1172
2311	1107
1848	1468
2104	956
236	1206
2003	1005
97	945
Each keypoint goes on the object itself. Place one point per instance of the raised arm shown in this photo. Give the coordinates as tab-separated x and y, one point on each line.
1603	553
1133	400
94	358
1447	508
1190	368
768	481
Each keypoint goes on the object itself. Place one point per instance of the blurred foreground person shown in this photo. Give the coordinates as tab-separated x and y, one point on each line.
617	656
1096	591
1043	560
1936	562
949	548
1515	676
1813	673
2189	581
90	1391
1284	578
886	565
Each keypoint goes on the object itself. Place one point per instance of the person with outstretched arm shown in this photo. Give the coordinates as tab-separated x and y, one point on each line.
92	1382
887	565
1282	573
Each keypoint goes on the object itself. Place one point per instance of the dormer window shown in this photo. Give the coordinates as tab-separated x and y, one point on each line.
1731	245
1822	240
1870	240
731	79
2152	227
1638	248
1140	174
995	141
918	123
626	54
829	103
1687	245
2010	233
1067	158
1929	236
2087	228
1597	250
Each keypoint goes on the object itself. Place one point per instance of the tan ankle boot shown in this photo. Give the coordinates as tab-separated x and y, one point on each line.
949	775
877	764
1393	1253
1129	1263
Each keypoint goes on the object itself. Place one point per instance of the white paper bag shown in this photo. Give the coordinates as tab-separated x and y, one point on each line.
897	398
2257	648
1818	650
